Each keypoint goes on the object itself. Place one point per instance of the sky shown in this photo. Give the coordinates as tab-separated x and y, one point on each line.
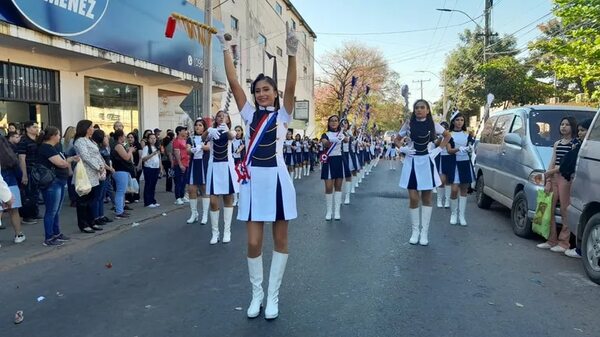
338	21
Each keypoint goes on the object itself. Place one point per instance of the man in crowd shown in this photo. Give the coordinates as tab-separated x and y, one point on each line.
27	151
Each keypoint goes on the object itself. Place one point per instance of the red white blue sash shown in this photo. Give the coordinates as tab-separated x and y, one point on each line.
263	125
325	156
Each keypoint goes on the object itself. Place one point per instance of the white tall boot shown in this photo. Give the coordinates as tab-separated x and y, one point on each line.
348	188
414	221
306	170
353	185
298	174
454	211
278	264
462	207
194	208
337	203
447	192
255	271
205	209
214	223
227	215
329	205
425	218
440	197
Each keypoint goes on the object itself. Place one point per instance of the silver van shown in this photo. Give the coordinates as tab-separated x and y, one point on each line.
584	209
513	148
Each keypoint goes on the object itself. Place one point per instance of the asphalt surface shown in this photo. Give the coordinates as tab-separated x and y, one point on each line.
354	277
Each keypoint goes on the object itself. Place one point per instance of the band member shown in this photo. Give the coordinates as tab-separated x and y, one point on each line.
196	174
239	150
419	174
349	166
445	165
306	157
332	171
288	152
298	160
463	174
267	191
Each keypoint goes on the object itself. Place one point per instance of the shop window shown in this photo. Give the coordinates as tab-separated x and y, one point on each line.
108	102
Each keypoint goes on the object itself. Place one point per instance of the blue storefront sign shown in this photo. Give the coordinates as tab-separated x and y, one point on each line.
133	28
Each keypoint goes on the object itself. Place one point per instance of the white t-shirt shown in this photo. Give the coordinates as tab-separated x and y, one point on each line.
153	162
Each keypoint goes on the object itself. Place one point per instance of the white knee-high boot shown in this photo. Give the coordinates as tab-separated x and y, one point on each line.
337	203
278	264
214	223
329	205
453	211
462	207
347	191
447	192
255	271
205	210
194	208
441	192
425	218
353	185
415	219
227	215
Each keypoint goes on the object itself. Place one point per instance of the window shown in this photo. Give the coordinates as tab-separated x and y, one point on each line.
108	102
262	40
594	133
279	51
544	125
293	24
278	8
487	129
501	128
518	127
235	23
305	70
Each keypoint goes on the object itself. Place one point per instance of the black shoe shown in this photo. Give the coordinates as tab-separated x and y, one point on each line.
61	237
97	228
88	230
122	216
106	219
99	222
127	208
28	221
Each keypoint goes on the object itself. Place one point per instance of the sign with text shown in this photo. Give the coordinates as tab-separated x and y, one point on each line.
28	84
301	110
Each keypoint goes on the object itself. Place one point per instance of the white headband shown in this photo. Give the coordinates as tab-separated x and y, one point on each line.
454	115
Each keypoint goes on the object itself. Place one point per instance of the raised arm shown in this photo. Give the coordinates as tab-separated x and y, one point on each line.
236	88
290	83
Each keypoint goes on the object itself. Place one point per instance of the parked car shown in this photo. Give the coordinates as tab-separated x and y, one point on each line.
584	209
514	147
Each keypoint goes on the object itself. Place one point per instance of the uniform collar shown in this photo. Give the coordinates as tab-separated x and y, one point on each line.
266	108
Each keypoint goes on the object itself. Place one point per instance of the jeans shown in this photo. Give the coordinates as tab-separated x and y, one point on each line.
179	182
150	180
169	180
121	179
53	199
98	202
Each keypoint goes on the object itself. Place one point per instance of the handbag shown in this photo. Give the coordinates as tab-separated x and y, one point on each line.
42	176
543	214
82	182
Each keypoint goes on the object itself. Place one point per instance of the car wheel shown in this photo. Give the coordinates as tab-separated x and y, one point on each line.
483	201
520	222
590	248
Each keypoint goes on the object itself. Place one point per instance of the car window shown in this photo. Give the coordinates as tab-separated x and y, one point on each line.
487	129
595	131
501	128
544	125
518	126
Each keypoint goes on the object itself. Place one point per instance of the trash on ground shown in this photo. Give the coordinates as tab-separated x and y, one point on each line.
59	294
491	303
108	265
148	306
577	329
510	244
238	308
519	305
164	214
19	317
536	281
41	298
135	224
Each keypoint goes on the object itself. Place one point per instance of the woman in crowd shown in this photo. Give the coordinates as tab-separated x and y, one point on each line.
100	139
167	159
181	163
561	187
419	175
48	156
11	173
152	167
89	153
268	193
197	174
332	171
221	177
133	141
124	170
69	151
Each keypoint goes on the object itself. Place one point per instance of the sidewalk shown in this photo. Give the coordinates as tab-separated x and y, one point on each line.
12	254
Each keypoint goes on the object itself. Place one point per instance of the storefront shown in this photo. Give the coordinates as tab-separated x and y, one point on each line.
28	93
108	102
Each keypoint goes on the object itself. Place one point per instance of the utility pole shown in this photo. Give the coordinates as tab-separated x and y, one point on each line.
486	28
207	64
421	82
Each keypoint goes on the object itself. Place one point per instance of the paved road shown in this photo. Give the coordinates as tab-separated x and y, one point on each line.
356	277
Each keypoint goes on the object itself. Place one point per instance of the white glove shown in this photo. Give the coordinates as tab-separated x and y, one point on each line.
464	149
213	133
408	151
221	38
223	127
291	41
341	136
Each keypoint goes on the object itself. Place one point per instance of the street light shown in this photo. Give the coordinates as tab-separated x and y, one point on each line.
444	104
459	11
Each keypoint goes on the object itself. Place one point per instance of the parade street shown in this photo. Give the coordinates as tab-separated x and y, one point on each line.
354	277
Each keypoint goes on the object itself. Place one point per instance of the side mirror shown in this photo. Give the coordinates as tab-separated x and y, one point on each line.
513	139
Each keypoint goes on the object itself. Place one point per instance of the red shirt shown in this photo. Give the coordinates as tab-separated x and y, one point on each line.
180	144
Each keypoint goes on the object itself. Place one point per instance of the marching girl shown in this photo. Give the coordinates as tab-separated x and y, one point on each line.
332	170
306	156
463	174
220	177
419	175
392	156
288	152
267	192
361	161
196	173
239	150
349	166
298	160
367	155
354	165
445	164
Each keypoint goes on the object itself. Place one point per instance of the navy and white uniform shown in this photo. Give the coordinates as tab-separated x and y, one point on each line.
221	178
333	168
196	174
298	153
305	151
288	153
348	167
463	168
419	171
353	161
269	194
445	163
235	145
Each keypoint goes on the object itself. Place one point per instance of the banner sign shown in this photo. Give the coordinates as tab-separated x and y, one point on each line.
28	84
